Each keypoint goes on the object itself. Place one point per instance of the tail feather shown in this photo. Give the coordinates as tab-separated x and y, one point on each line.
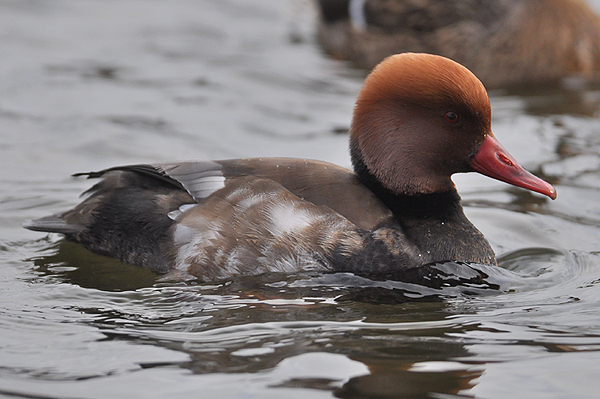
53	224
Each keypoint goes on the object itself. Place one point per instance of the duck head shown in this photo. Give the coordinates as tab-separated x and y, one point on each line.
420	118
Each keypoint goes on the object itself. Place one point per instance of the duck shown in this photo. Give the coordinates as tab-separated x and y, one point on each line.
418	119
508	44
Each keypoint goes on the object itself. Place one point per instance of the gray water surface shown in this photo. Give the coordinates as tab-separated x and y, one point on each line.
90	84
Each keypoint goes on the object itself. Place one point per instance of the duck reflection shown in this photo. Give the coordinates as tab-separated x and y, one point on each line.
72	263
400	381
268	326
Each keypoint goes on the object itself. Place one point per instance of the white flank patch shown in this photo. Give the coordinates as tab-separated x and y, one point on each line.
286	219
249	200
183	234
192	244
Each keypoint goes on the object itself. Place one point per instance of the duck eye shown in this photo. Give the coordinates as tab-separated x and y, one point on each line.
451	117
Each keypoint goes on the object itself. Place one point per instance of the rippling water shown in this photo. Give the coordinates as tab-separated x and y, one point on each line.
90	84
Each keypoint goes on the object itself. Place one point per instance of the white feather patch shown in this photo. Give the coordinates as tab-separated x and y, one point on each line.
205	186
288	219
173	215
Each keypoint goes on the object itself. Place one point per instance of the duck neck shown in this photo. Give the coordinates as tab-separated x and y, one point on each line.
436	205
434	222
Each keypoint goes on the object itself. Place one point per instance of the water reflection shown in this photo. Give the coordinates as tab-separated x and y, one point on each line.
571	97
70	262
404	381
341	334
385	341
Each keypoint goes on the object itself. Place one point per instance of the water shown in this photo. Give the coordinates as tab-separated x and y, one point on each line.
91	84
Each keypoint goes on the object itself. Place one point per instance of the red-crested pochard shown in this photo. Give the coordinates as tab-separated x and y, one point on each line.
418	119
505	43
